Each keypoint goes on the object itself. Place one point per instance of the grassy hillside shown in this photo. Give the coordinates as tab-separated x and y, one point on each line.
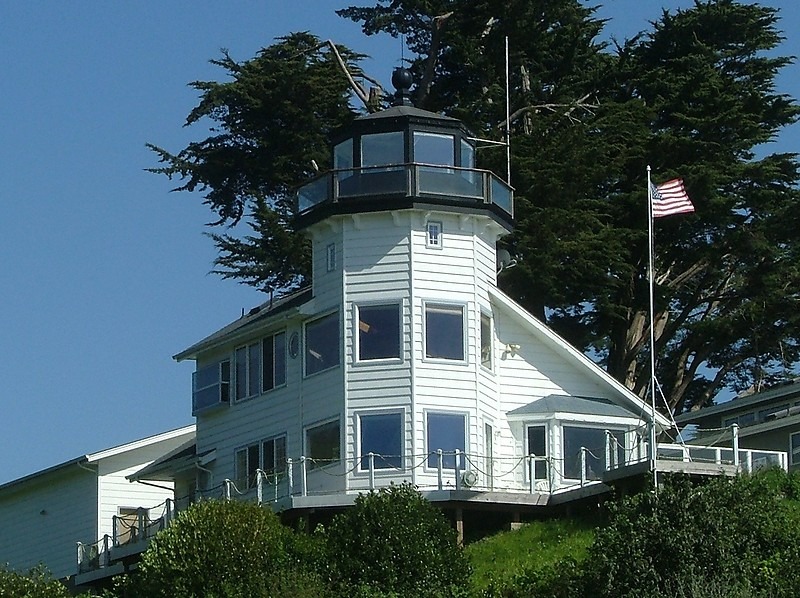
500	559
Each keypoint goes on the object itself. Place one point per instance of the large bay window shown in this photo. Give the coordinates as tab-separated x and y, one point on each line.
446	432
593	440
381	434
378	331
322	344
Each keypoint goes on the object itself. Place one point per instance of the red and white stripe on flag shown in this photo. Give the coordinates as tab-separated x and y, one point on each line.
670	198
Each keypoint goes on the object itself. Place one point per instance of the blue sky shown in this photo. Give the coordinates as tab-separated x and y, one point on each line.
105	273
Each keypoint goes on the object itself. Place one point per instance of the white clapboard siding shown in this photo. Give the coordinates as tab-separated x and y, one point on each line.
42	519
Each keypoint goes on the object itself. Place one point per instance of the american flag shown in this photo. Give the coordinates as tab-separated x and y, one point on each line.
670	198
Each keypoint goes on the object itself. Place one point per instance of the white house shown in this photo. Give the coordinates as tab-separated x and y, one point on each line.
43	516
403	360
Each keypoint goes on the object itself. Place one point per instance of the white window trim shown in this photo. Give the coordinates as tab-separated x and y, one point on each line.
428	450
234	371
357	427
357	336
547	448
492	344
330	257
272	336
464	337
428	243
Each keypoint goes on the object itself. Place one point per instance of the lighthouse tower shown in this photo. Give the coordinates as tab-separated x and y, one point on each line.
403	231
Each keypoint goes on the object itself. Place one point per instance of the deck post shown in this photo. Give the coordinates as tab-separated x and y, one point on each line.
106	555
227	489
114	530
608	450
735	433
749	462
259	486
371	470
80	555
142	531
458	469
439	463
583	466
303	476
532	472
289	477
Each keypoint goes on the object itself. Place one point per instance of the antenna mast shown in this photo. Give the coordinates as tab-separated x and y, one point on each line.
508	121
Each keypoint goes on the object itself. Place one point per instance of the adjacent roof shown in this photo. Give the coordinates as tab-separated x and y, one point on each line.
775	393
248	321
92	458
181	458
565	403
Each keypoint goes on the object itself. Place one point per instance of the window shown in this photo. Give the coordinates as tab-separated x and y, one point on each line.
433	237
211	385
381	434
467	155
486	341
322	444
794	449
444	332
537	445
248	370
343	155
127	525
434	148
594	441
269	456
245	466
273	457
382	149
378	332
446	431
273	359
322	344
330	253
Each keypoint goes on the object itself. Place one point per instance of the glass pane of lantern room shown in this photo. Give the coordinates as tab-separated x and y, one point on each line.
467	155
434	148
382	149
343	155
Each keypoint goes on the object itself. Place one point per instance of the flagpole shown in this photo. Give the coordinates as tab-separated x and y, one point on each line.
651	276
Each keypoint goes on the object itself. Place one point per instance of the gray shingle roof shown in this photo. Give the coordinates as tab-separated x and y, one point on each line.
570	404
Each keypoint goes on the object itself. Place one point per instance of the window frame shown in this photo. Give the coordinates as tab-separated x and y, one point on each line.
489	367
335	458
395	461
276	468
614	429
308	348
540	468
330	257
792	449
358	331
256	449
222	380
274	369
443	307
431	463
251	379
430	243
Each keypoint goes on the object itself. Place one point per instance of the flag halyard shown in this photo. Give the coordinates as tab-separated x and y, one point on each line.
670	198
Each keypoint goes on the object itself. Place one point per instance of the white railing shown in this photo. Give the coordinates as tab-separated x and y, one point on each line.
440	470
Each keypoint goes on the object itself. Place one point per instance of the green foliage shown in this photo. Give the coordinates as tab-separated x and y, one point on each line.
228	549
394	542
36	583
694	97
739	534
506	559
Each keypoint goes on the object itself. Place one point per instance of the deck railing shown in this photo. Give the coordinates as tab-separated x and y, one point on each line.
440	470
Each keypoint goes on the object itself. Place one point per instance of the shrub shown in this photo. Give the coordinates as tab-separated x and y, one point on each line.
226	549
36	583
394	542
